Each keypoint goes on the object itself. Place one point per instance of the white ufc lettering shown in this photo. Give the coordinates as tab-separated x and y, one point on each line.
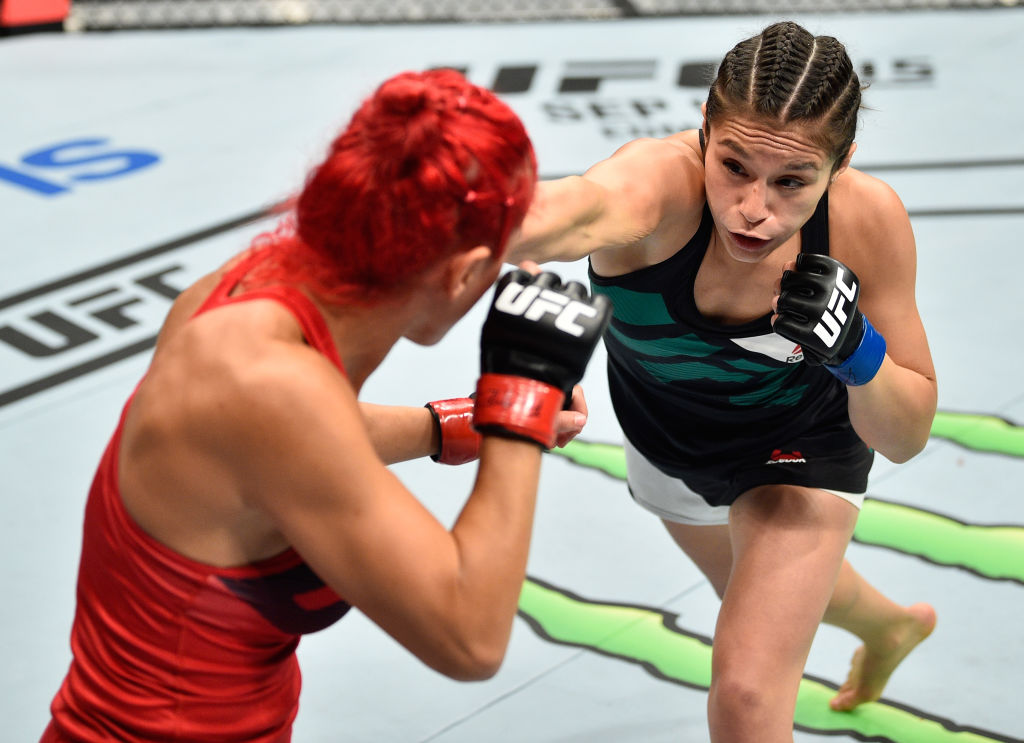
834	316
533	303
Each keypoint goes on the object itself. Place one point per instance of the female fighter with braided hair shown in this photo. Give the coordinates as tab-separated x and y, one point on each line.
765	340
244	497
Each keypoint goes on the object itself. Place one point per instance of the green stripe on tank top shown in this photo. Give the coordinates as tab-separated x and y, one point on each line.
668	372
772	391
683	345
636	308
753	366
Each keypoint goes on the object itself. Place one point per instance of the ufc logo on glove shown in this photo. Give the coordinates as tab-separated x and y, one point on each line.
843	341
834	317
534	347
533	302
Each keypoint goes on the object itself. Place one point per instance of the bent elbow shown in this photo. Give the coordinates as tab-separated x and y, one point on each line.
481	671
904	450
899	457
473	664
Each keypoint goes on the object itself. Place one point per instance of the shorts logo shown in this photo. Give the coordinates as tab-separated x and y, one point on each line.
780	457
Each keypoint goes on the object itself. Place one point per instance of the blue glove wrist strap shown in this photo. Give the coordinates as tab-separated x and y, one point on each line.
862	365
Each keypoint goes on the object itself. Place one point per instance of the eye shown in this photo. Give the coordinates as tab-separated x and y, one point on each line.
791	184
733	167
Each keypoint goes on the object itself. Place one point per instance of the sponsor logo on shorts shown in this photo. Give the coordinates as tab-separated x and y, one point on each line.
781	457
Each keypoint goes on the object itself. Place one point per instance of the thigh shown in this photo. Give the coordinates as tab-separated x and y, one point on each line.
666	496
788	545
709	547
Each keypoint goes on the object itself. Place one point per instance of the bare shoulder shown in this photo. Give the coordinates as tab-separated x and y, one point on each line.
675	155
189	301
259	368
865	206
870	232
230	391
868	223
225	397
660	188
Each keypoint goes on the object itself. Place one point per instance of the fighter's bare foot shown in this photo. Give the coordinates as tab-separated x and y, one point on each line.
871	667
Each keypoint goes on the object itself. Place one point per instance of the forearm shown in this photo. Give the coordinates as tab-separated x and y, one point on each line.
492	537
893	413
400	433
453	593
560	225
467	584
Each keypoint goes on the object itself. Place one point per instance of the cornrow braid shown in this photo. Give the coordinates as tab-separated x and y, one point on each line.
786	74
785	52
799	86
829	74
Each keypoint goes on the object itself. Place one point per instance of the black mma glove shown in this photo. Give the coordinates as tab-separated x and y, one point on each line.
817	308
535	345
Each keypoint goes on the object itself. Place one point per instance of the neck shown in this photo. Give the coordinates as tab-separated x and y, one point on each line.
364	335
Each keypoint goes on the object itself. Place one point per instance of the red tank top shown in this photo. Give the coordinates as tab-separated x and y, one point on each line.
169	649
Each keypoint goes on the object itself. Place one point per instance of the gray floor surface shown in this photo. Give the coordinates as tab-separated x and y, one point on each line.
119	150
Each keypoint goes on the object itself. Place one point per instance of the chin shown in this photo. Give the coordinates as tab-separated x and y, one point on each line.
426	336
747	254
744	257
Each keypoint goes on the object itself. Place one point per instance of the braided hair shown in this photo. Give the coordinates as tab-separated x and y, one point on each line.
786	74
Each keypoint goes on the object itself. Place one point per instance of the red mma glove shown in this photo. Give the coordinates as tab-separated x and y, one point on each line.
460	442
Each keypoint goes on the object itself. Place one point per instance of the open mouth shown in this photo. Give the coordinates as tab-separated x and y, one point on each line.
748	243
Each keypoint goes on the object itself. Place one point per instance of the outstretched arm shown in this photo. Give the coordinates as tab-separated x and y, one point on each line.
621	202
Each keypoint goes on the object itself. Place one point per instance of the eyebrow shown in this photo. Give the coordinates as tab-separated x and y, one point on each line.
794	165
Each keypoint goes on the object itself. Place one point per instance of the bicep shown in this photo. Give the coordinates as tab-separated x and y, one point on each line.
888	280
619	202
568	220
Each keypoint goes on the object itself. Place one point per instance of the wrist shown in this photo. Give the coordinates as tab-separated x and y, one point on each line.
459	441
517	407
861	366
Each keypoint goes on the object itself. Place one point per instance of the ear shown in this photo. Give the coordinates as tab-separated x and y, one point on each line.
844	164
703	133
467	270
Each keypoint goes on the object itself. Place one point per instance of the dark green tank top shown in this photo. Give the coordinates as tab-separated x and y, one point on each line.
690	392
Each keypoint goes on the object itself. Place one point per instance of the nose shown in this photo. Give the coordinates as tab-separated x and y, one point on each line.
754	206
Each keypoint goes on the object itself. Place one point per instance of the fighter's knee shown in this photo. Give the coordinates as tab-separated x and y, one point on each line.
734	695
